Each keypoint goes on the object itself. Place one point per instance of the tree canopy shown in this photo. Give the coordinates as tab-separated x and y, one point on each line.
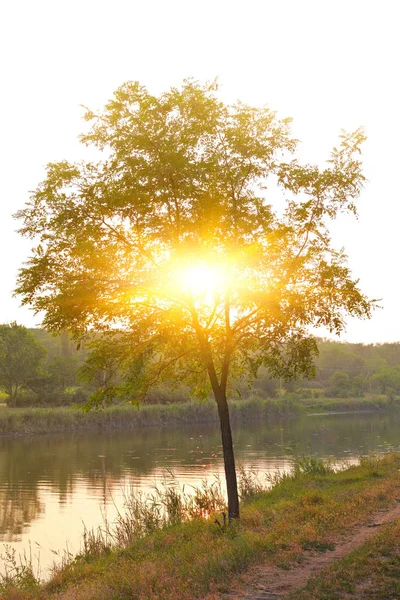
21	357
177	246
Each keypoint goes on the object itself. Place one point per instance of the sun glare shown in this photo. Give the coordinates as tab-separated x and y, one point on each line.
202	280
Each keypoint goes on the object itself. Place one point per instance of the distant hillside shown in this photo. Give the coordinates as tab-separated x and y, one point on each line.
342	370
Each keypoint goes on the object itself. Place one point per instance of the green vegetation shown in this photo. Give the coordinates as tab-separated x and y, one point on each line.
58	384
358	369
371	572
343	371
63	419
168	549
33	421
21	357
33	373
377	403
348	377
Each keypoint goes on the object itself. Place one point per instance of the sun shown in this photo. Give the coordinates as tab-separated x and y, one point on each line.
202	280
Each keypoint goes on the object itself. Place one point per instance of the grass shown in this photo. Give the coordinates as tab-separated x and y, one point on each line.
22	421
370	572
372	404
32	421
176	549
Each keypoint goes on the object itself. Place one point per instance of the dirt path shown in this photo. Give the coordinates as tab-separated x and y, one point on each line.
265	582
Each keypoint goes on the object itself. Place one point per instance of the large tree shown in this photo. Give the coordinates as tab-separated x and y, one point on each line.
198	244
21	358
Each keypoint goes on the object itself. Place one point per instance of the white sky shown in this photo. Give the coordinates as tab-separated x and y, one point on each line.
328	64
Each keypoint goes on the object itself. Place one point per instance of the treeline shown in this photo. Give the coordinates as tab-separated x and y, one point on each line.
39	369
344	370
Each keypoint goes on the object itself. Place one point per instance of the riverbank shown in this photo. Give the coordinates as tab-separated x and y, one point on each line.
37	421
371	571
187	556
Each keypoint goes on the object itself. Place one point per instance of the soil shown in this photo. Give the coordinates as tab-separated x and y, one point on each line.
266	582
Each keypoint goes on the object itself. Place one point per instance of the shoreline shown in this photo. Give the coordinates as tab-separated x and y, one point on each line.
193	554
18	422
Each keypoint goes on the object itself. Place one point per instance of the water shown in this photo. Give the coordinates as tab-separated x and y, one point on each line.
50	486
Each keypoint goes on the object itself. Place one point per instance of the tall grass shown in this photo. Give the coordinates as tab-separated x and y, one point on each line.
19	575
21	421
376	403
143	514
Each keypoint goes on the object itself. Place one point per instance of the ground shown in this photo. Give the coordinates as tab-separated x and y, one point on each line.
266	582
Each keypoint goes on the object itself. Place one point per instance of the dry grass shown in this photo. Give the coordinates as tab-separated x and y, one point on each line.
371	572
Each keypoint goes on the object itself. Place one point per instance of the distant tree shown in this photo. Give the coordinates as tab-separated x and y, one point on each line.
264	385
340	384
388	380
338	357
63	371
389	352
21	358
360	384
170	246
45	390
50	383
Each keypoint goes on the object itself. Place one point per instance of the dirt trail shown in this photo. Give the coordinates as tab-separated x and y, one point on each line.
265	582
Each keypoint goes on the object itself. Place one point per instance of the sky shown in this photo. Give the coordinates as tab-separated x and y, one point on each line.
327	64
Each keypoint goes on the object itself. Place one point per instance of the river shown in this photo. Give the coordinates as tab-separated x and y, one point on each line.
51	486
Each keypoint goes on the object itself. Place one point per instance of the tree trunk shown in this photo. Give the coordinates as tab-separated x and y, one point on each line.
13	398
229	458
219	389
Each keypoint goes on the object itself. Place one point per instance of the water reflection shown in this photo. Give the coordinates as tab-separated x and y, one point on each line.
49	485
17	509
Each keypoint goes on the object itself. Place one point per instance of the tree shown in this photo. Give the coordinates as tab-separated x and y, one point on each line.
63	372
49	385
388	380
334	356
170	246
340	384
21	358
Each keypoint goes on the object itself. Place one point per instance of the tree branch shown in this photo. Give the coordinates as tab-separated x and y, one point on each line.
228	347
206	352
